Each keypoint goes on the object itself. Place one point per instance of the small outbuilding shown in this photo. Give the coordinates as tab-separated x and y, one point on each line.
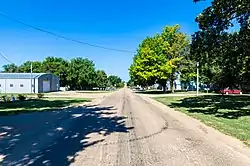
28	83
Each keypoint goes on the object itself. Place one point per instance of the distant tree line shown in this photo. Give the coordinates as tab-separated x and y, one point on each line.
77	73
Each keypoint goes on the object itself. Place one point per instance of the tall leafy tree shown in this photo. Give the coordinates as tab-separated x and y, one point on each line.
114	80
174	45
145	63
159	58
26	67
101	79
81	74
224	56
56	66
10	68
130	83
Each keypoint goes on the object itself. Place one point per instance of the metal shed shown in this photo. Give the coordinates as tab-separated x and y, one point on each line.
28	83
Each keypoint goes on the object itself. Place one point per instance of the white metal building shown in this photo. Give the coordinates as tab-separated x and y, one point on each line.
28	83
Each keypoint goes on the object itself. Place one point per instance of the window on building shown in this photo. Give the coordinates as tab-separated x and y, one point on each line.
11	85
0	85
21	85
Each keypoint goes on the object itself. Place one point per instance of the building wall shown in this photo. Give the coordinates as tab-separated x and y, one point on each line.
55	86
36	86
54	82
26	84
19	85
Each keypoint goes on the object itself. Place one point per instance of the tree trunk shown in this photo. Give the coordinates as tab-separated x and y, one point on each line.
172	85
164	87
163	83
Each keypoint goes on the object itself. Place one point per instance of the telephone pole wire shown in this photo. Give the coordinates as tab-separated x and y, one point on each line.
63	37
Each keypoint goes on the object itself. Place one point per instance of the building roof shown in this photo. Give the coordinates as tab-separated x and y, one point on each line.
20	75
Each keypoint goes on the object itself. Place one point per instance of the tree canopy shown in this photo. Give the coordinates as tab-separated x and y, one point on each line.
101	79
160	58
223	55
115	81
10	68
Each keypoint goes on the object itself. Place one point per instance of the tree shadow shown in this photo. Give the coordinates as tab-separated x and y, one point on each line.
32	105
56	137
230	106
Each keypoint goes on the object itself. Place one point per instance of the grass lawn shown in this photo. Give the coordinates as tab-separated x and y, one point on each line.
32	105
228	114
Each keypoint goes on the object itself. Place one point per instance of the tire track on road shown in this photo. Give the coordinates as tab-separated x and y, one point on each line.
129	152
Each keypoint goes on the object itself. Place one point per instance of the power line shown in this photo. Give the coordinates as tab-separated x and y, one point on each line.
62	37
6	58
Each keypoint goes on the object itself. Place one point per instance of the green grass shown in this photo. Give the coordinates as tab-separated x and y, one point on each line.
228	114
169	92
32	105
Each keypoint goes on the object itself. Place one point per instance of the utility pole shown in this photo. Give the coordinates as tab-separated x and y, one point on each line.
197	81
31	82
3	56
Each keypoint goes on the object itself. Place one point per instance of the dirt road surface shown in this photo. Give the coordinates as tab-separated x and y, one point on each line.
122	129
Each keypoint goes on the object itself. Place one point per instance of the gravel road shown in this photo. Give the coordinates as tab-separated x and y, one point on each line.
122	129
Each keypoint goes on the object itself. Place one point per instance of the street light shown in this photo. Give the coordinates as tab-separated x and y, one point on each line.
31	79
197	81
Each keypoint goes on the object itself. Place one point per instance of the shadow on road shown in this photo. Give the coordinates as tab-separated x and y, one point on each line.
230	107
55	137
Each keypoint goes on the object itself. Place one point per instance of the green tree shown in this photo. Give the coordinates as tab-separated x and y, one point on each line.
130	83
101	79
10	68
81	74
26	67
145	68
114	80
159	58
121	84
224	56
58	67
174	47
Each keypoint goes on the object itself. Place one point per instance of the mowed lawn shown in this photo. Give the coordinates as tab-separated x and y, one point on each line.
228	114
32	105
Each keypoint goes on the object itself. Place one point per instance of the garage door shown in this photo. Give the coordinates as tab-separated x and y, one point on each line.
46	86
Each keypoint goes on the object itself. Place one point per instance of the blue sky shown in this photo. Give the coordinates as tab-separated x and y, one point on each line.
116	24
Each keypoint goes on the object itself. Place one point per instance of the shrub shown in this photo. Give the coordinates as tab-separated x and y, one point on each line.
21	97
6	98
40	95
3	97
